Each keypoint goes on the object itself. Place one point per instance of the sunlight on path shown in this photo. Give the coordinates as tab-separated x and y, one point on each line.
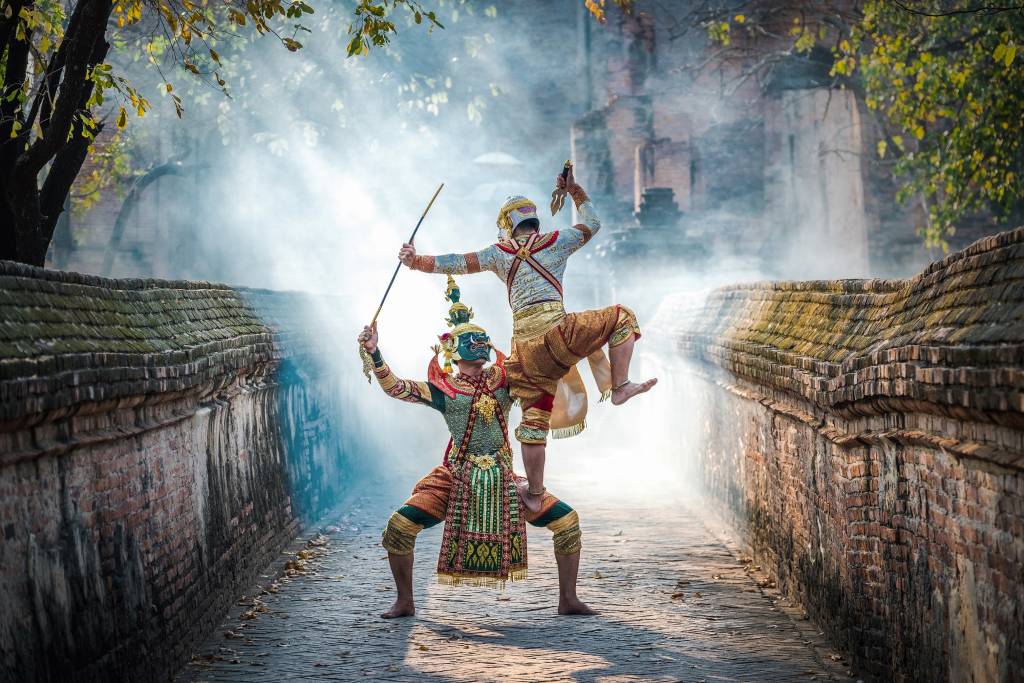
675	604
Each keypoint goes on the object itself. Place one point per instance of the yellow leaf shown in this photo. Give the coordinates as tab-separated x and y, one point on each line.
122	119
740	18
881	149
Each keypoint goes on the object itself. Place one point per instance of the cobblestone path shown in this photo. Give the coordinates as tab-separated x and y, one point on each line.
676	601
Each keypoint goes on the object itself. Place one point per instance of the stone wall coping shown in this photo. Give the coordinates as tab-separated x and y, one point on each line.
947	342
69	340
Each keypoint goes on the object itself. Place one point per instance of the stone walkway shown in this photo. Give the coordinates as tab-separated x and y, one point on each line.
676	603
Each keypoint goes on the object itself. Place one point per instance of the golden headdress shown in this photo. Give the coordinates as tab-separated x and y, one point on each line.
459	316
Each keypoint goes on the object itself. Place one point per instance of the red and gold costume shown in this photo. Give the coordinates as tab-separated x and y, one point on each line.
474	489
547	342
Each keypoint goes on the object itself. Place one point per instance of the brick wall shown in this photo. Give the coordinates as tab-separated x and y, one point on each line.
866	437
160	442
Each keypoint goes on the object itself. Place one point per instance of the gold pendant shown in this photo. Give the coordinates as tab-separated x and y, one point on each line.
485	407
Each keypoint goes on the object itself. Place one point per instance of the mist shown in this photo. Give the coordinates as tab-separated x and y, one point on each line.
312	180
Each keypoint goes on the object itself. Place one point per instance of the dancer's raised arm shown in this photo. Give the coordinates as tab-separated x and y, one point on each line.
575	237
450	264
407	390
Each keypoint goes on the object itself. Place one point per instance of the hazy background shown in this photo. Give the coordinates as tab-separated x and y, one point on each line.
315	170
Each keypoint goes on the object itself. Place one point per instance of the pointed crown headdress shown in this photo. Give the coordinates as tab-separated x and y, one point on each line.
459	316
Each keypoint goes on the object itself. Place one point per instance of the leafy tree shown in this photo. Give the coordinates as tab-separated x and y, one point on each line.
945	79
55	80
949	86
60	87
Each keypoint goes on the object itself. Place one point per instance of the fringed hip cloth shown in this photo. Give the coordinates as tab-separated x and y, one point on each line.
484	542
542	368
431	493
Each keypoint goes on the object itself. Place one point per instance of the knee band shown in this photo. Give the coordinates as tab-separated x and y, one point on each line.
625	326
567	537
399	536
535	424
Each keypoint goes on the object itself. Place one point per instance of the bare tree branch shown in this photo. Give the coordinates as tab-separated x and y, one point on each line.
984	9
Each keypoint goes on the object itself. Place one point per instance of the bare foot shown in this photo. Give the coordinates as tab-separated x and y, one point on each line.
628	391
400	609
568	606
531	501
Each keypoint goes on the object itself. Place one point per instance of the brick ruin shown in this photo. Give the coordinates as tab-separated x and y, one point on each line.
690	165
160	443
866	437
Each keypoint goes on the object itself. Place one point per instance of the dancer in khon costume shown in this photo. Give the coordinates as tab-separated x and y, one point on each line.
474	490
547	342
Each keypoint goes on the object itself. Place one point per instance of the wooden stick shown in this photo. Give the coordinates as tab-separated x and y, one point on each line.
399	266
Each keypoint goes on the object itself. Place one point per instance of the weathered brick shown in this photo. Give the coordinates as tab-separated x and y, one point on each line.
912	489
133	526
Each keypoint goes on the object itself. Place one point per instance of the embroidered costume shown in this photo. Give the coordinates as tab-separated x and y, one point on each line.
547	342
474	489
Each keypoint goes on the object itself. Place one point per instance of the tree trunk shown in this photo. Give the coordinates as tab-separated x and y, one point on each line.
29	212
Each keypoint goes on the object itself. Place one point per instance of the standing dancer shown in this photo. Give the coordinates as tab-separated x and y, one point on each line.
547	342
474	490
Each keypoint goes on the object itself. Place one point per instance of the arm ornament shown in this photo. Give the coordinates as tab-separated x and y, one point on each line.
395	387
423	263
578	194
587	232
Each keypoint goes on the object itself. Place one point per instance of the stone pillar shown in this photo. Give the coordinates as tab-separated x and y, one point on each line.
663	163
814	183
604	145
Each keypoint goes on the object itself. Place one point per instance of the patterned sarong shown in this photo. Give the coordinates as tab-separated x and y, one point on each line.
484	540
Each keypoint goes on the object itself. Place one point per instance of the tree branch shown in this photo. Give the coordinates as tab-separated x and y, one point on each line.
68	161
172	167
969	10
86	29
14	76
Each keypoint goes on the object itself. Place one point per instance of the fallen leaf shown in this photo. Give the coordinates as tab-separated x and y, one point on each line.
318	541
677	596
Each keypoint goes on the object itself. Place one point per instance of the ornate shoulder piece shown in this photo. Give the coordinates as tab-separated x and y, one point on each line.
507	246
499	369
544	241
438	377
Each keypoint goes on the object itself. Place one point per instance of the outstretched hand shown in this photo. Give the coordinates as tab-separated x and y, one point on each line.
368	338
566	183
407	254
